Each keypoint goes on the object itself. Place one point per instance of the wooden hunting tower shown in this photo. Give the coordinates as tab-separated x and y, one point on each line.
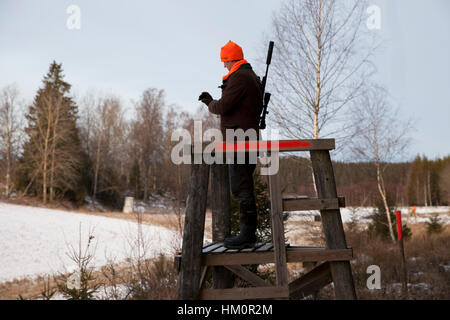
196	259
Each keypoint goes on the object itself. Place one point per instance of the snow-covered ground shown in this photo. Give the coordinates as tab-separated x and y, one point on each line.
35	241
362	213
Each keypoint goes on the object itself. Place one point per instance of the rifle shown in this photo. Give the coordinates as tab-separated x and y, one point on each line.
266	95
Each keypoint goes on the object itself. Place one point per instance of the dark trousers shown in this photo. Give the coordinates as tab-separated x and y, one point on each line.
242	188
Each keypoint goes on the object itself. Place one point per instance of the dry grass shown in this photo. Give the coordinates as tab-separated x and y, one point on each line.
305	233
428	263
426	255
12	290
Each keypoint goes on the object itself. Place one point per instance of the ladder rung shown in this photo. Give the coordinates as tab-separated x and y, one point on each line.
299	203
245	293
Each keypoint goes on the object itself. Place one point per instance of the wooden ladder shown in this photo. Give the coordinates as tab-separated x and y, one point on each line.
196	258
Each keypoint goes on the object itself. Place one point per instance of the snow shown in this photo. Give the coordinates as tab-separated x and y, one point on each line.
362	214
36	241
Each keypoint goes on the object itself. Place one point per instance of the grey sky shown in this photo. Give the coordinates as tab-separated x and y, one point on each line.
124	47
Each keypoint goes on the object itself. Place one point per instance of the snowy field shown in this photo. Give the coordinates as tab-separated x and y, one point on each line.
35	241
361	214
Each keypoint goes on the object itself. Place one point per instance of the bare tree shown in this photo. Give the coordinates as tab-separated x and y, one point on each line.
319	65
88	105
44	140
380	136
176	175
108	122
148	137
104	134
58	162
11	126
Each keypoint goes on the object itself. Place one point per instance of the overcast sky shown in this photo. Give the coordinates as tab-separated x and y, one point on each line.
124	47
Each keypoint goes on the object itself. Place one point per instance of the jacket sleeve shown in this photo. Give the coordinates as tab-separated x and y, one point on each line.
231	95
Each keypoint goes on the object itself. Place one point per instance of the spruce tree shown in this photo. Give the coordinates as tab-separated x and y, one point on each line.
52	159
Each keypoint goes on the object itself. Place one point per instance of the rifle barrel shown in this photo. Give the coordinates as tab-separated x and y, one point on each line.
266	95
269	54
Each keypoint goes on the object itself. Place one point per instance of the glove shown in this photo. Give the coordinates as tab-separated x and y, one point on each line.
206	98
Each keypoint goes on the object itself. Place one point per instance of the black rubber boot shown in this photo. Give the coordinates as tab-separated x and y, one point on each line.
247	225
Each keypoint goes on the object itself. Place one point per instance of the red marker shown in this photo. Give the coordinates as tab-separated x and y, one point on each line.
399	225
262	145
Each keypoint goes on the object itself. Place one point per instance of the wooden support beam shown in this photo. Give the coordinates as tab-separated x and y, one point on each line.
299	203
194	226
276	212
311	282
320	255
245	293
341	201
293	204
247	275
221	219
177	263
332	224
293	254
263	145
203	276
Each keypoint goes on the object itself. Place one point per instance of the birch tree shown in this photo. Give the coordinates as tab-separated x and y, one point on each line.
319	64
380	136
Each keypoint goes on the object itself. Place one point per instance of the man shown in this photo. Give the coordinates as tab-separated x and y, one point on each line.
239	108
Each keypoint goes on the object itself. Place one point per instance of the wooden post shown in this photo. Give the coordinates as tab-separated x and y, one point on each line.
402	252
194	226
221	224
276	210
332	224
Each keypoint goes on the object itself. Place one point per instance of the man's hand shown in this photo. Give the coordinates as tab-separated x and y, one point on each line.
206	98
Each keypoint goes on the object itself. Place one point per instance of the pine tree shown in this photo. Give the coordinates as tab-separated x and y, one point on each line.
379	225
52	158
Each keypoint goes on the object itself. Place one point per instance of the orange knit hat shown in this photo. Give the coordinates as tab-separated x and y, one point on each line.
231	52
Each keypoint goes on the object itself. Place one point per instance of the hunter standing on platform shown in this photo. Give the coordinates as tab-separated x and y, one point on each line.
239	108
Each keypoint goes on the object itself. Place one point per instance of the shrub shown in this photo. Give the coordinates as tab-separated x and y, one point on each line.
152	279
80	285
434	225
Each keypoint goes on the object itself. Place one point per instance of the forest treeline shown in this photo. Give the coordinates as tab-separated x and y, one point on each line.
422	182
59	147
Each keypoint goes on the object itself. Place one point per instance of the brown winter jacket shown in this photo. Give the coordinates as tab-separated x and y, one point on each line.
241	103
